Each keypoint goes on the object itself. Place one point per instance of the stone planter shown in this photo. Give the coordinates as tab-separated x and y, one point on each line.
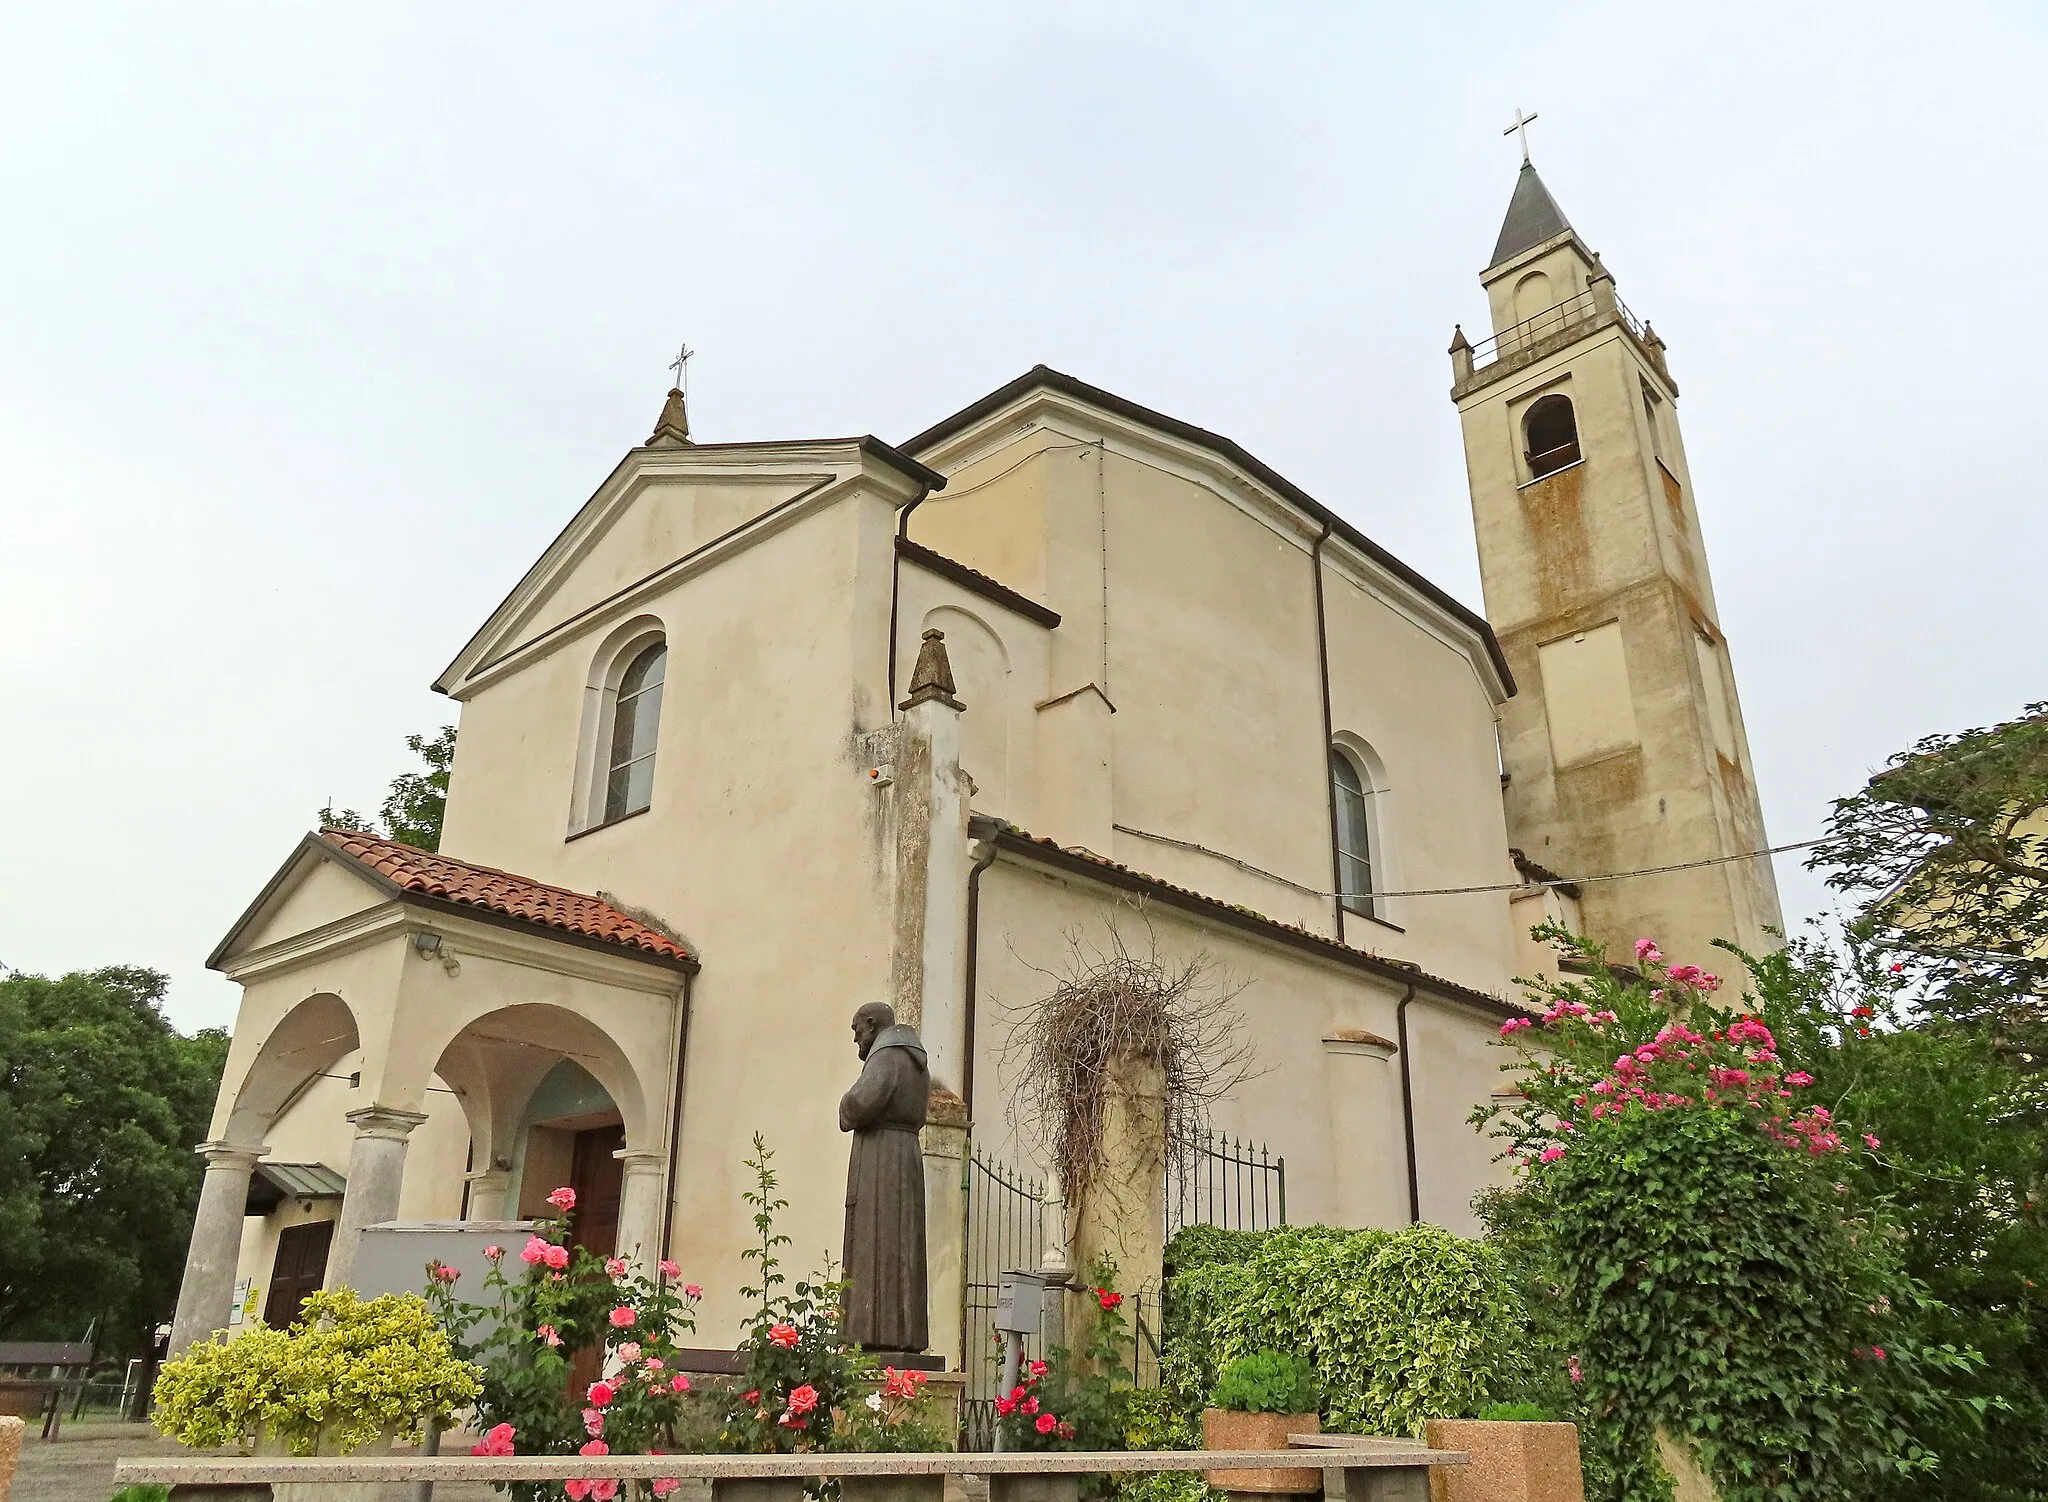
1028	1488
329	1491
1227	1429
1511	1462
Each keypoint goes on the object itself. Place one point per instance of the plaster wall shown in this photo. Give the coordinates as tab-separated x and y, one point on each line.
1331	1109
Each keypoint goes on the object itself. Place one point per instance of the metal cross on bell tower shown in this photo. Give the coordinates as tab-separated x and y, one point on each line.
1521	128
681	366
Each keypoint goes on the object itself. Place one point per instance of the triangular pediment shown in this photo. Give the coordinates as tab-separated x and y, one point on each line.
312	890
658	510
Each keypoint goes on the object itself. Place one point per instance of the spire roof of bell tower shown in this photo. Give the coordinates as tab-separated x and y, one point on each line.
1533	217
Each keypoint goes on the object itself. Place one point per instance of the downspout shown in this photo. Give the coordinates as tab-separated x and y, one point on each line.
896	586
675	1115
1315	555
1408	1104
981	864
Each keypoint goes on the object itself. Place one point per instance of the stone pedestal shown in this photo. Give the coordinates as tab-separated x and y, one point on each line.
216	1247
1389	1484
376	1173
1511	1462
1224	1429
758	1489
1034	1489
892	1489
944	1142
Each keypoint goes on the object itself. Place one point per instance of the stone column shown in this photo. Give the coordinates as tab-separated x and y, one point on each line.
209	1286
641	1206
929	956
487	1189
376	1172
944	1140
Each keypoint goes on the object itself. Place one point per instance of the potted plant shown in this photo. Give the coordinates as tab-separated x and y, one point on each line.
1259	1400
349	1374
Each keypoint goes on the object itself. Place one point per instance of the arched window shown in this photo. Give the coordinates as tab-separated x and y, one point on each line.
636	723
1552	433
1351	788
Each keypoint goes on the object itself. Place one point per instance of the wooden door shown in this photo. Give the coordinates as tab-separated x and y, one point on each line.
300	1266
597	1177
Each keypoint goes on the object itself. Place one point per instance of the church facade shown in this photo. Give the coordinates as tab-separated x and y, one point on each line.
776	729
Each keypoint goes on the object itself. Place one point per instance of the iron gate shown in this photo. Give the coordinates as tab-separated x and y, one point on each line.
1005	1230
1223	1181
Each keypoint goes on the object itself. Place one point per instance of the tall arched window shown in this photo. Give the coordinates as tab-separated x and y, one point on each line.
1552	432
636	723
1350	787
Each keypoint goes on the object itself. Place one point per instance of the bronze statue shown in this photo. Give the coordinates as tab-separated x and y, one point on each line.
884	1251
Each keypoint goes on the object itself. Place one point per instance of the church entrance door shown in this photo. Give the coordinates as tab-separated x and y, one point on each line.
597	1177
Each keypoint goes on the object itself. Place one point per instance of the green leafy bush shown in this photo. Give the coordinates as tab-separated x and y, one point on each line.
1517	1413
1400	1326
1154	1420
142	1493
1268	1382
348	1370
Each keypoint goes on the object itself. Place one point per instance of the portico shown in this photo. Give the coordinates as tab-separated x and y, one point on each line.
437	979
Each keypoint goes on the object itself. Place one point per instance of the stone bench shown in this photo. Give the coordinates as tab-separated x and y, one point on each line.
1383	1470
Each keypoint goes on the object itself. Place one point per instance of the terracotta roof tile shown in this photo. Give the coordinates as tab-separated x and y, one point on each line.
501	892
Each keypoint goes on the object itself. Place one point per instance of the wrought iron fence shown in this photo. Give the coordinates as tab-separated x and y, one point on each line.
1223	1181
1005	1230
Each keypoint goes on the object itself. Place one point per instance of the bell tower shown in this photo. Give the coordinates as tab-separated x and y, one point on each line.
1623	747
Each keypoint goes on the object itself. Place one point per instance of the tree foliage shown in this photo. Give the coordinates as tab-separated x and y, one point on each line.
101	1104
417	803
1948	848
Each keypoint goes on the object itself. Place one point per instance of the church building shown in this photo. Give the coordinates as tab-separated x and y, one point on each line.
774	729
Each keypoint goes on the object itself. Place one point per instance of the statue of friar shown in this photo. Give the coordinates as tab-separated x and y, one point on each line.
885	1261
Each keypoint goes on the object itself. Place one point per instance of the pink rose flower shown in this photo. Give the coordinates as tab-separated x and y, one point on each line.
563	1198
1005	1407
679	1383
622	1316
692	1291
784	1335
1798	1079
663	1485
593	1422
1871	1142
556	1257
615	1267
1047	1423
803	1399
629	1351
546	1333
534	1250
670	1271
497	1441
601	1393
594	1447
1551	1153
494	1252
654	1363
1647	952
1571	1364
1039	1368
441	1272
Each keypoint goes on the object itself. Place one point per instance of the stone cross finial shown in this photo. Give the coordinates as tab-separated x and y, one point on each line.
672	428
932	678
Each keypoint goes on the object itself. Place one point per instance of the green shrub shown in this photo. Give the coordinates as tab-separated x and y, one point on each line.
1517	1413
1400	1326
1268	1382
142	1493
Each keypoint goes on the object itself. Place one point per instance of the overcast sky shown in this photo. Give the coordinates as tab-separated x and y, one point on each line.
318	323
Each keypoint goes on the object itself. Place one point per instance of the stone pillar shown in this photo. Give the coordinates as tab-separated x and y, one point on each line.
209	1286
944	1140
376	1172
641	1206
929	960
1120	1215
487	1189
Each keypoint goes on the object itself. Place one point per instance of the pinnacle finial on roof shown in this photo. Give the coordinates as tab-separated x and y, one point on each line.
672	428
932	679
1458	339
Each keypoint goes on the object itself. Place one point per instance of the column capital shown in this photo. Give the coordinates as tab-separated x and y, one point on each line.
640	1159
498	1177
234	1155
384	1121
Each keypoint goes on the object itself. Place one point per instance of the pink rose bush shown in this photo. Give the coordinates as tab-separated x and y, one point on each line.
542	1310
